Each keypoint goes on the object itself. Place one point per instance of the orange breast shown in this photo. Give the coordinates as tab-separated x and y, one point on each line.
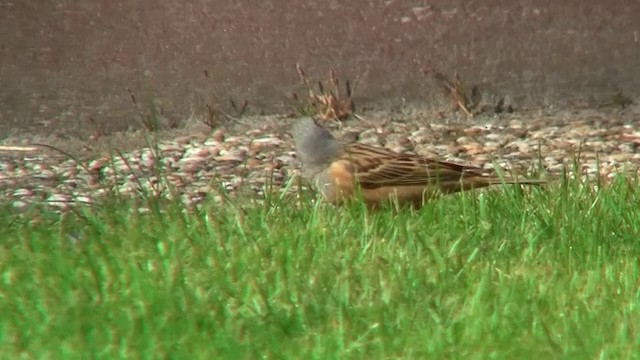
343	186
342	181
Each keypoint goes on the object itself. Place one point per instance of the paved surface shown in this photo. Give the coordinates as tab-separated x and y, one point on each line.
65	63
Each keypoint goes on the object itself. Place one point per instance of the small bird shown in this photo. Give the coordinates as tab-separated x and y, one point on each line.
343	171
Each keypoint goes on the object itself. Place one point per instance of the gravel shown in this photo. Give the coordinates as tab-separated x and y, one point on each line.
192	166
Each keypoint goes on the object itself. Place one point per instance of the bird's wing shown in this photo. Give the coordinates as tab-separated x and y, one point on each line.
376	167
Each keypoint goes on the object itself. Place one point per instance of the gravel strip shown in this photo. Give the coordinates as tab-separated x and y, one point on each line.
192	166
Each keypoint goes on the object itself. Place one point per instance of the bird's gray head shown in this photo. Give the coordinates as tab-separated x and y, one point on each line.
315	146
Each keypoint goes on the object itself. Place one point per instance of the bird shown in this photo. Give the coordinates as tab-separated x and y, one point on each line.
346	171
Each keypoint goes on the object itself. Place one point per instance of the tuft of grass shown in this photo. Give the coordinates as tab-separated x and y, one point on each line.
214	117
463	99
467	99
328	104
503	273
618	100
154	119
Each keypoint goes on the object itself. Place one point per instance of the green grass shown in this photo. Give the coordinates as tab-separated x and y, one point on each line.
506	274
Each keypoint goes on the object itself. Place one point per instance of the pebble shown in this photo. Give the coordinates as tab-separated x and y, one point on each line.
22	193
59	200
20	204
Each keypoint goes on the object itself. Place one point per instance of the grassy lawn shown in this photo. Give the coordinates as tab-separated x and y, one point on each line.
508	274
